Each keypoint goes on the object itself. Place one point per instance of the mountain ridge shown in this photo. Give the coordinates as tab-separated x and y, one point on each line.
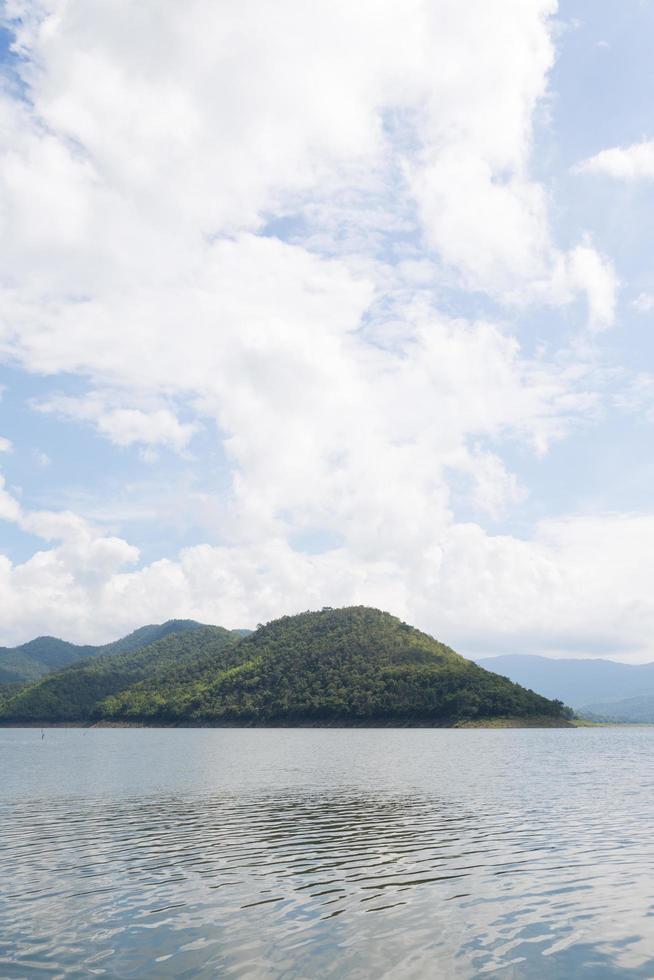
38	657
629	711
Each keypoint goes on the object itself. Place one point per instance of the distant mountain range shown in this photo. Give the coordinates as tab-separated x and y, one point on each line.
601	688
351	666
638	710
32	660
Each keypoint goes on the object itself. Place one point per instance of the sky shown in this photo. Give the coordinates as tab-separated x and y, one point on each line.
324	304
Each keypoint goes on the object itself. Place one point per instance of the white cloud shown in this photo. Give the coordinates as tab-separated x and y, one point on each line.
143	179
644	303
495	489
6	445
457	149
624	163
9	506
637	396
578	586
123	426
588	271
58	588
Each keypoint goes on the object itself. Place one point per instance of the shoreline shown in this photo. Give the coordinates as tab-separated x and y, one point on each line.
489	723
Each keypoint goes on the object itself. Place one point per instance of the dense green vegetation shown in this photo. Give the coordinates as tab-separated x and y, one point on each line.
338	666
73	694
31	660
46	653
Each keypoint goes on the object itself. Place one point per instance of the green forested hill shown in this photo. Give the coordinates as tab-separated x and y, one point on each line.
73	694
31	660
46	653
338	666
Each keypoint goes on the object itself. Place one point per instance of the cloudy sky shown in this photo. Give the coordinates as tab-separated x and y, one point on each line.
329	303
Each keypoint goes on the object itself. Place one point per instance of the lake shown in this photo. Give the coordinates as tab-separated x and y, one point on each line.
327	853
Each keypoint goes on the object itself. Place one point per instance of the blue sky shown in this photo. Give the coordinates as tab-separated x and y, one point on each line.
368	323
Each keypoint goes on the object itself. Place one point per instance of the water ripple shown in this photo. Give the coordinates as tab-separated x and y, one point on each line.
445	861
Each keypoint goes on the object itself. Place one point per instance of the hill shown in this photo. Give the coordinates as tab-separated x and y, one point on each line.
342	666
38	657
576	682
74	693
47	653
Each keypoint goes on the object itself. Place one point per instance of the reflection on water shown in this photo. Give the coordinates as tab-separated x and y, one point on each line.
326	853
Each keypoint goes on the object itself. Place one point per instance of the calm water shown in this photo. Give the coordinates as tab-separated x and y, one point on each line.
327	853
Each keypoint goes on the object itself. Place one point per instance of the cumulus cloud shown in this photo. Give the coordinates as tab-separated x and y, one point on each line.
58	588
588	271
123	426
244	216
624	163
578	586
393	101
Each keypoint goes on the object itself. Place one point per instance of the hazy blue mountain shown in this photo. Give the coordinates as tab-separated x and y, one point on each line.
575	682
632	710
32	660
